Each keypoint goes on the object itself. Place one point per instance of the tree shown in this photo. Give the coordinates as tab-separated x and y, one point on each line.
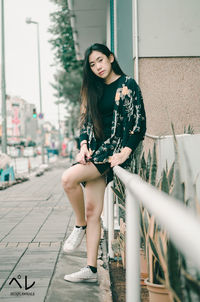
69	75
67	86
62	41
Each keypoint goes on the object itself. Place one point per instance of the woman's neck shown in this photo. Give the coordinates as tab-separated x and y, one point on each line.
112	77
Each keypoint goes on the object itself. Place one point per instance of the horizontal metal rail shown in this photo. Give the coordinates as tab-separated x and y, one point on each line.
152	136
179	221
164	136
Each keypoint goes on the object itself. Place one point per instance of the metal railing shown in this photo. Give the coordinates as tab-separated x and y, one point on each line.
108	217
180	222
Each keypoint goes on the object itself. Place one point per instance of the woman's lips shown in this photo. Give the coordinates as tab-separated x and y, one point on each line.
101	72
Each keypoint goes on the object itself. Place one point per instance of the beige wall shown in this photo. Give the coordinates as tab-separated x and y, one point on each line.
171	91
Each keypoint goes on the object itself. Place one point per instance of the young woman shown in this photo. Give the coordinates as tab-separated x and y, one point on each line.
112	125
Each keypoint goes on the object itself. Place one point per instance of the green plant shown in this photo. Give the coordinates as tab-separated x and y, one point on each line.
188	130
180	276
148	172
186	279
156	238
120	197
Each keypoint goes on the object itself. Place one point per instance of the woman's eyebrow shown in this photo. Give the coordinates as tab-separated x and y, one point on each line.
95	60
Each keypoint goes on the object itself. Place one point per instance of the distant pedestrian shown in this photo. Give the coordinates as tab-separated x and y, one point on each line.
53	145
71	148
113	123
64	147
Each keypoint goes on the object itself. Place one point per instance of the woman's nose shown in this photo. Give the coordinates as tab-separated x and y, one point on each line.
98	66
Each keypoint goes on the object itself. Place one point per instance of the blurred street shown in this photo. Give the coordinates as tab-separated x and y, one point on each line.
24	164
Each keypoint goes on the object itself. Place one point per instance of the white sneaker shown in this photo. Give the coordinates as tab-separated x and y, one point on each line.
74	240
84	275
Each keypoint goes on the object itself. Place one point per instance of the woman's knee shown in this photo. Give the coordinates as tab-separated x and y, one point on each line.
68	181
91	211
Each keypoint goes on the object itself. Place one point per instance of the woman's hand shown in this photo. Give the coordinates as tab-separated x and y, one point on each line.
84	155
120	158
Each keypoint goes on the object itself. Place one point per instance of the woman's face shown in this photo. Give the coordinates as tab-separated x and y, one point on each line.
100	65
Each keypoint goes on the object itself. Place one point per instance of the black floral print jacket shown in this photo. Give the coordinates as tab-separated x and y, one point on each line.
128	120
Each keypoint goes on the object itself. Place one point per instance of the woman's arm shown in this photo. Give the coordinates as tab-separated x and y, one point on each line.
135	117
84	155
134	120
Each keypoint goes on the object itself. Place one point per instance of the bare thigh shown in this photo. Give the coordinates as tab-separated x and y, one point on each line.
81	173
94	196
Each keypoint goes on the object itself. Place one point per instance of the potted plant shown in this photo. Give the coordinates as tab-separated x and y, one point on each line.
152	235
167	266
119	192
157	250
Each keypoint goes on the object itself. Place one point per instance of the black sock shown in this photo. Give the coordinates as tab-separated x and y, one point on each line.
83	227
93	268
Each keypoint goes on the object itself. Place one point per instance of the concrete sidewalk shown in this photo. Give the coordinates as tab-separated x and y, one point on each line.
35	219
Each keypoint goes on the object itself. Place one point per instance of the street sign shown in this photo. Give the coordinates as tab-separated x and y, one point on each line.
41	115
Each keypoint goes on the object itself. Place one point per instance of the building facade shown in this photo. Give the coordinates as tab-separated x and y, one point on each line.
157	43
20	122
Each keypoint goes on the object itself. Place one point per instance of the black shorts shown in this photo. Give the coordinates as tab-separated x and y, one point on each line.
104	169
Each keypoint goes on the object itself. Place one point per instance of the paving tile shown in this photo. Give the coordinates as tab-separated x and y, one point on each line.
12	244
22	244
44	244
33	245
55	244
3	244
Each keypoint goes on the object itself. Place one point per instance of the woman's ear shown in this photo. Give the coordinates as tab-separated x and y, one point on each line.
111	58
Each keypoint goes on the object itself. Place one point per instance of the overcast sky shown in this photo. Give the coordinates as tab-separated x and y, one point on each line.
21	53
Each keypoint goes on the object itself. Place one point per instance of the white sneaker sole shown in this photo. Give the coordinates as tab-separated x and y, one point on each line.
72	250
77	280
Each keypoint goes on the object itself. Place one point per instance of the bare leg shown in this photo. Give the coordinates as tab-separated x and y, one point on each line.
71	180
75	196
94	192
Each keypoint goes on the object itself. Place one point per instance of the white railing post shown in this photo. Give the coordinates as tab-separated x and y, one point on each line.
116	216
132	249
110	220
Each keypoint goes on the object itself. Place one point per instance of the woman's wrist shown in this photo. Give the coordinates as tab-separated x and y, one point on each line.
84	142
126	150
84	145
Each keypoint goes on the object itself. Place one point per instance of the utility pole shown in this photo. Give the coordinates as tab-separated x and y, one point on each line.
3	84
29	21
59	129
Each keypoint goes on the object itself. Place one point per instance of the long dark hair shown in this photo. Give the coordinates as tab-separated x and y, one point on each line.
92	89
